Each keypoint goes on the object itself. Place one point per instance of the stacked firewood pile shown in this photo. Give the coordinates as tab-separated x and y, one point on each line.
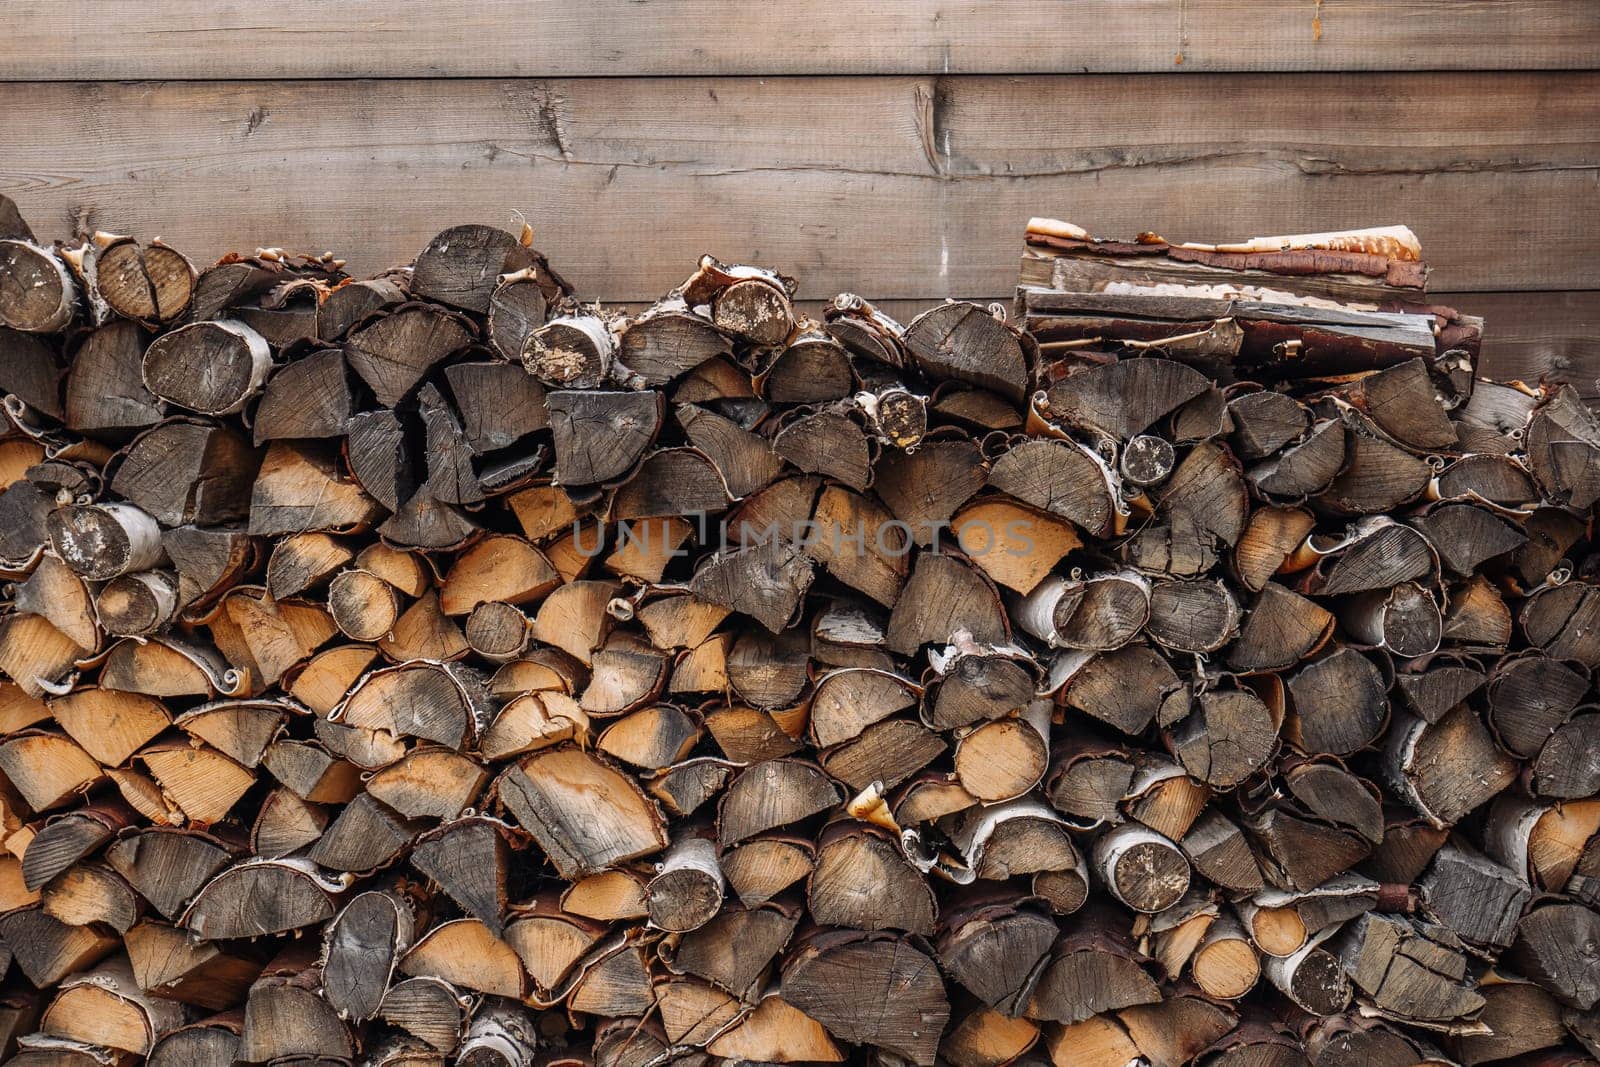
1194	667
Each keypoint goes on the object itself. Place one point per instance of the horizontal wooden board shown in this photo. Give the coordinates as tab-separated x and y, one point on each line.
895	187
1538	335
89	39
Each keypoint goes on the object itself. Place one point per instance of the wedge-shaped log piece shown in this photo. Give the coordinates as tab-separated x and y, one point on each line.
1060	478
208	367
500	568
394	353
364	837
992	944
69	838
617	983
469	858
828	444
1529	697
870	989
261	897
285	1018
168	962
1565	622
774	1030
47	769
47	950
1265	421
925	487
1444	770
772	794
1305	467
1016	546
628	673
975	683
1412	972
1466	535
943	597
1377	476
670	340
599	436
550	941
106	1007
1568	765
1563	446
1380	555
1226	738
429	782
430	1009
1558	946
1125	398
1479	900
672	482
464	953
108	724
1015	837
651	738
585	814
963	341
189	471
863	881
745	460
1090	972
857	541
460	266
54	593
1339	705
104	393
298	489
889	752
306	398
765	581
418	699
1402	401
1272	535
211	1042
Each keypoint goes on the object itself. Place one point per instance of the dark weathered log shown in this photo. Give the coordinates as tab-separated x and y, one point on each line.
461	266
1410	972
207	367
1556	946
687	891
870	989
307	398
37	292
393	353
1141	868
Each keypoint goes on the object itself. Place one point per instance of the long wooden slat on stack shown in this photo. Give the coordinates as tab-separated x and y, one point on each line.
435	669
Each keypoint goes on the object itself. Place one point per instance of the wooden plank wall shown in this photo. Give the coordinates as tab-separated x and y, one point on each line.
892	149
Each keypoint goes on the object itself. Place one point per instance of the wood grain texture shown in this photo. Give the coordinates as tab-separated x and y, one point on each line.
72	39
1534	335
897	187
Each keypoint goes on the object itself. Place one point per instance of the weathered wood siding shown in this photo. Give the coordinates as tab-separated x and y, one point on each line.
893	149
